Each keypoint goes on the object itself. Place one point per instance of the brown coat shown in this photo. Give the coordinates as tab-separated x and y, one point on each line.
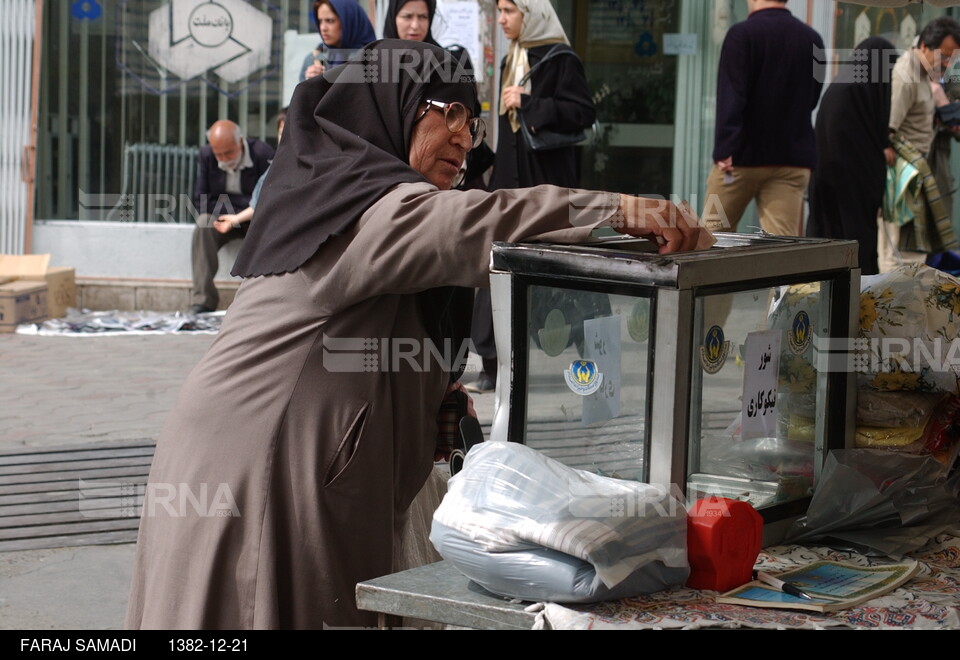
308	471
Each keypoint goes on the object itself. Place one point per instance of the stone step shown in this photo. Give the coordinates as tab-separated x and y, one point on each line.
108	293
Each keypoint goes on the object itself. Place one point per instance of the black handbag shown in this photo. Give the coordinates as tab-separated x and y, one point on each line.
949	114
544	140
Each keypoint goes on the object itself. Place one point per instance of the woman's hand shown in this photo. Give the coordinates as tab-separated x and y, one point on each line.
511	97
314	70
675	228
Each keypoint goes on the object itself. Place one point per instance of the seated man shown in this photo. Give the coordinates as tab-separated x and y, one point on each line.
229	169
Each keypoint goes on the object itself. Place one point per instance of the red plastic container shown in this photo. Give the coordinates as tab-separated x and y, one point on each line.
723	540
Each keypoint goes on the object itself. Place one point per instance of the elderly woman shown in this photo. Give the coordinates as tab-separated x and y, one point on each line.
344	27
303	431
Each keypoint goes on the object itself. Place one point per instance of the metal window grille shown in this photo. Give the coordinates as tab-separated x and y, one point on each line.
16	57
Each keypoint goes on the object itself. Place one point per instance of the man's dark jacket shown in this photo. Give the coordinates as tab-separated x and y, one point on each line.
212	181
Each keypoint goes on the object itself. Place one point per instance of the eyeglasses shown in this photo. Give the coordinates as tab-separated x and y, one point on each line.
456	116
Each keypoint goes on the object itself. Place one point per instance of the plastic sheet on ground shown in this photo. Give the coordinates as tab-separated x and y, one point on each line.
880	502
84	323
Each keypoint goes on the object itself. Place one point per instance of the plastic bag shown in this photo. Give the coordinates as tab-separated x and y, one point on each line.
895	409
546	575
889	502
510	504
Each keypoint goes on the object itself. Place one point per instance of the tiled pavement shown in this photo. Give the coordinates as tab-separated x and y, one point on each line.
74	392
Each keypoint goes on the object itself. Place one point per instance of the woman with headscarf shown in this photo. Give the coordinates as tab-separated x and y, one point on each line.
413	20
410	19
344	27
853	150
300	432
554	97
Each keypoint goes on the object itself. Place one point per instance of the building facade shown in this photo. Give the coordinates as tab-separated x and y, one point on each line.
105	103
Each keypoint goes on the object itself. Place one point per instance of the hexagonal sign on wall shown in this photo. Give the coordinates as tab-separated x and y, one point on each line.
218	41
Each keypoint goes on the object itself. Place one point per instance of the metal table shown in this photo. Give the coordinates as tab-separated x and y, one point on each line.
439	592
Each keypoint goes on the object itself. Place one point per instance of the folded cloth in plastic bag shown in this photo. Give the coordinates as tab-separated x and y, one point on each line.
511	499
546	575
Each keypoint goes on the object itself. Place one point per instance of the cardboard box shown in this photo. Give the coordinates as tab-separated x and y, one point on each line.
22	301
61	282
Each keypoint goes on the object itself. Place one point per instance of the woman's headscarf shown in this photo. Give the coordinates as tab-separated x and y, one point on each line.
540	27
390	21
356	29
860	93
345	143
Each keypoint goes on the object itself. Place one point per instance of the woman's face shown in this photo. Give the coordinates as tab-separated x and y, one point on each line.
437	153
413	20
329	22
510	19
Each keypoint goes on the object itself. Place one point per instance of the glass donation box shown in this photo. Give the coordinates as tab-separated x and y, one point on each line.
699	371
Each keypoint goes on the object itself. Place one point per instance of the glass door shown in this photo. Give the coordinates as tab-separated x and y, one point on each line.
634	83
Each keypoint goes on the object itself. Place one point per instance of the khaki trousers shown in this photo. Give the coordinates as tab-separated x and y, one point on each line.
778	191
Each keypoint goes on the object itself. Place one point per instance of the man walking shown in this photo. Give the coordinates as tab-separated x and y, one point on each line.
764	148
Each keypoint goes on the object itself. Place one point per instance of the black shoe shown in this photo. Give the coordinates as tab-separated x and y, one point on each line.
199	309
483	384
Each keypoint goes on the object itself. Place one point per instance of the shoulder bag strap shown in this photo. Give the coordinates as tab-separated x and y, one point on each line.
553	52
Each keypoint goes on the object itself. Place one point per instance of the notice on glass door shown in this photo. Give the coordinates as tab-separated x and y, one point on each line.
760	381
601	345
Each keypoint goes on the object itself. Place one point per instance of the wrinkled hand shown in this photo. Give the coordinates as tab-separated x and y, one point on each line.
511	97
675	228
314	70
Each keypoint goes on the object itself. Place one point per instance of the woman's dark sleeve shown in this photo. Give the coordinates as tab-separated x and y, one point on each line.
570	107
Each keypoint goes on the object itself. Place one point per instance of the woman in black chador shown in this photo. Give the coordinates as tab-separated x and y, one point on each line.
852	128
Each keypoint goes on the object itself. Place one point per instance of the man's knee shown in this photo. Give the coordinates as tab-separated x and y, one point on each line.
205	220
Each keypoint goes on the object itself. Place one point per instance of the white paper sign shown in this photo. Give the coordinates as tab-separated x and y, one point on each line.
680	44
458	24
760	381
601	343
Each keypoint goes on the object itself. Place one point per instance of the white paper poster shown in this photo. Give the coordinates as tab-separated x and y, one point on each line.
458	24
601	344
760	382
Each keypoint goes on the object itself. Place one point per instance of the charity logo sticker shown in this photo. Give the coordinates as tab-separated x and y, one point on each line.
713	352
583	377
800	334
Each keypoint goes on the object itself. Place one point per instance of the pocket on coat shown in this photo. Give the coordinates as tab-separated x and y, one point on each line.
349	445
